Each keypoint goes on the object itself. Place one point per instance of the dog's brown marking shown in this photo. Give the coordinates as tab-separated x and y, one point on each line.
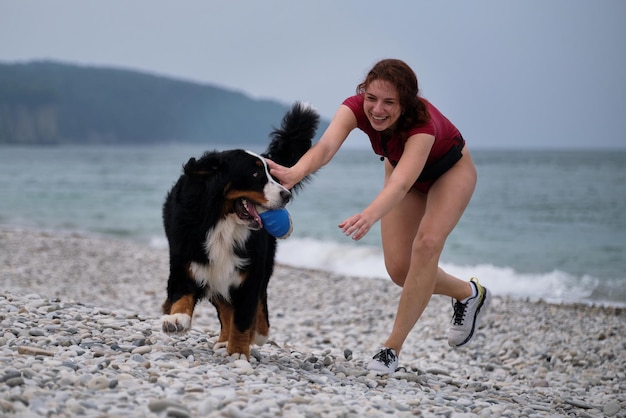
262	323
225	315
183	305
238	341
231	197
253	196
166	308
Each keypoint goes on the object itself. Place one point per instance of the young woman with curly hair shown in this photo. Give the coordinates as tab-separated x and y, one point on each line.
429	180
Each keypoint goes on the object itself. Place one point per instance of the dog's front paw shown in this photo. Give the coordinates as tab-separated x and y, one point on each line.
218	345
176	323
236	357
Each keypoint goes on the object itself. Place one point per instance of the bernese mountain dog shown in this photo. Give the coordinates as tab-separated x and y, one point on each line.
218	248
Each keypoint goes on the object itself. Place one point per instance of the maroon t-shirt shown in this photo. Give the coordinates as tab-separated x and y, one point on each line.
445	133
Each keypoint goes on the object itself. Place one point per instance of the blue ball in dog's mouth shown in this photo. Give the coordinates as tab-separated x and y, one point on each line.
277	222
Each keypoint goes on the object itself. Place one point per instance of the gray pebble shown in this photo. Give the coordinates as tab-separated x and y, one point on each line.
177	412
14	381
36	332
10	373
611	408
158	405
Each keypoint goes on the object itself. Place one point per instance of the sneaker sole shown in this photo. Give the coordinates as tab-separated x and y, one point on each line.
482	307
380	371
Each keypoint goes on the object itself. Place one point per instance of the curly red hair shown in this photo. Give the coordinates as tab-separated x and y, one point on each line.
399	74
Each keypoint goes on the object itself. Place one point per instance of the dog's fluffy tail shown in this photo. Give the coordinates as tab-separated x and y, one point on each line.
294	137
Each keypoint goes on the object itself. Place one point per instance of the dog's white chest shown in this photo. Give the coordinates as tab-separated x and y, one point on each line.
222	270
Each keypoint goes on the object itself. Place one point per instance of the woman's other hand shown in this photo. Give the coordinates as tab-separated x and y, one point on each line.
356	225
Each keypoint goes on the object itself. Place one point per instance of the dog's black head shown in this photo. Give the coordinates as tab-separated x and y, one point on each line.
242	181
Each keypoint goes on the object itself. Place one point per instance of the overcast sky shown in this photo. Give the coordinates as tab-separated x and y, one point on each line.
519	73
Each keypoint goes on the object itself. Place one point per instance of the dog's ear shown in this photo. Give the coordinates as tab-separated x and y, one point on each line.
206	167
188	168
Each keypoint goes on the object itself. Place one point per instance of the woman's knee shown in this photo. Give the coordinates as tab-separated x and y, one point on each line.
427	246
397	268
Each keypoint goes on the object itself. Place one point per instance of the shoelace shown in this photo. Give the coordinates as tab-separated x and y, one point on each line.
459	313
385	356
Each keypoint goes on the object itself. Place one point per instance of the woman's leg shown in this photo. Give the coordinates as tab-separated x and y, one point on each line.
445	203
398	229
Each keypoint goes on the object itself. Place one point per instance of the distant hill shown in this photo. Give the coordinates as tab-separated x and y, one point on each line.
52	103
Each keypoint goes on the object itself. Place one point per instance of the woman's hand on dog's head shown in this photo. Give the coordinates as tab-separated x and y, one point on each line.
283	174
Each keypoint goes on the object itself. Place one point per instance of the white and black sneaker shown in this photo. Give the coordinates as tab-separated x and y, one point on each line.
384	362
468	314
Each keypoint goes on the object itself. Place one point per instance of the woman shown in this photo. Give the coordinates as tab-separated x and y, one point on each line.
429	180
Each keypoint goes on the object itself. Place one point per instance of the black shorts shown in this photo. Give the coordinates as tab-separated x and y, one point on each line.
436	169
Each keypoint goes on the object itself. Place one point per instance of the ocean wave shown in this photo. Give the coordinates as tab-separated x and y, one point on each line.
368	262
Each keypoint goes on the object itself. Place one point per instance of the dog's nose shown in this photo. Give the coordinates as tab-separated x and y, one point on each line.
285	195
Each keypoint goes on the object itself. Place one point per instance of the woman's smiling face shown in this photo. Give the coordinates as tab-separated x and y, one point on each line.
382	104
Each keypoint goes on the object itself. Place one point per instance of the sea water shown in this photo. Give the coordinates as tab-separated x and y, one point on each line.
542	224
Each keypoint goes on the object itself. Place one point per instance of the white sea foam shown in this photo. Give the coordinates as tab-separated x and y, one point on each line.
368	262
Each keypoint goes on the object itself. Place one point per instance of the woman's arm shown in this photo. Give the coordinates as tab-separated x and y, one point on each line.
402	178
321	153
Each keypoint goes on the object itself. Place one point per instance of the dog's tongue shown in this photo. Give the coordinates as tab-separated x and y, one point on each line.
255	214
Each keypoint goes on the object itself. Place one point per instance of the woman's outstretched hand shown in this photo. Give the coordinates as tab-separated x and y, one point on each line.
356	225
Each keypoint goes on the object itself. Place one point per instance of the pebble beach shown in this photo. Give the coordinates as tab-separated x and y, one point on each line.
80	336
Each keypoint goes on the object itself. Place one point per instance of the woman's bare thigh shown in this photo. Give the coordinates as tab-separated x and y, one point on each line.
448	198
398	230
433	215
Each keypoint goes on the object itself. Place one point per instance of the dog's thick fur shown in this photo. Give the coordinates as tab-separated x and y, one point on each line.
218	249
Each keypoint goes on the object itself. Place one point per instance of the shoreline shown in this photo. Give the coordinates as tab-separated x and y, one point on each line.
84	310
150	245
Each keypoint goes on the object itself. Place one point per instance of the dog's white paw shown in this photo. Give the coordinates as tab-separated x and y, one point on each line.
218	345
176	323
237	357
260	339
